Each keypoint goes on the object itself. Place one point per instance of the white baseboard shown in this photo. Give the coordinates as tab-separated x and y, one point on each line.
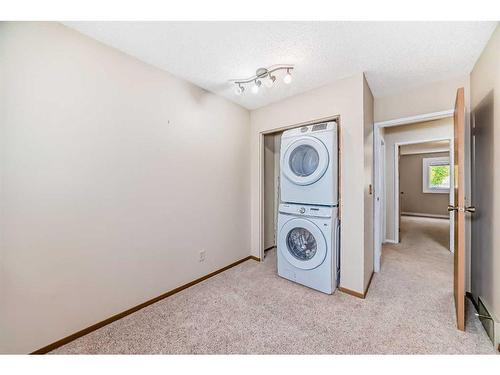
390	241
425	215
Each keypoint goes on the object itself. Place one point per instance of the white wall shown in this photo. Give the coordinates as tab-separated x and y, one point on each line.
114	175
437	129
485	80
344	98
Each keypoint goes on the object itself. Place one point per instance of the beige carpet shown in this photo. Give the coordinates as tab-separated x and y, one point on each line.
249	309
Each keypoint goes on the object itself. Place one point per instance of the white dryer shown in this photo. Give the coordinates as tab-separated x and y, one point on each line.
309	164
308	245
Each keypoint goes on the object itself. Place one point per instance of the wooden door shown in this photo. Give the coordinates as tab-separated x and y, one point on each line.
459	209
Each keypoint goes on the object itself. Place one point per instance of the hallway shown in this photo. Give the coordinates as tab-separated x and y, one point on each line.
422	259
417	275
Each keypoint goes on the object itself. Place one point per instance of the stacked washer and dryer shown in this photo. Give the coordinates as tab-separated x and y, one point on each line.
308	223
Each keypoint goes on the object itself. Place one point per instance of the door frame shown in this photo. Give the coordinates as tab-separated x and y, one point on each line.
379	221
396	197
379	179
261	169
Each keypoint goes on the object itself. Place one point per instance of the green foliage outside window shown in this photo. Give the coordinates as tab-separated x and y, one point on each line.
439	175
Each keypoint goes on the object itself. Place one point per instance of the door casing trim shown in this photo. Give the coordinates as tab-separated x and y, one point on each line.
380	180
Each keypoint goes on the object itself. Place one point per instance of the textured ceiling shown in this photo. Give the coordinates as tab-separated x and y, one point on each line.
394	55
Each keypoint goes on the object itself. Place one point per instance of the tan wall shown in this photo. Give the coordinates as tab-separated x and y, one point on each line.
425	131
435	97
115	175
413	199
428	147
485	80
368	168
344	98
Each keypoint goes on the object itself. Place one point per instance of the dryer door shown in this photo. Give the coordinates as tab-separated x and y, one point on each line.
305	161
302	243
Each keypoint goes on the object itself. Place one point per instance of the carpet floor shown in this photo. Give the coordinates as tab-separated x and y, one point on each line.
249	309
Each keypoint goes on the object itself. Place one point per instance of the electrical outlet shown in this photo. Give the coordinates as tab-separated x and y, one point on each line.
202	256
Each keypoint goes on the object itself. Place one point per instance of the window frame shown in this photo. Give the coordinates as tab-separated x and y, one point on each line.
429	162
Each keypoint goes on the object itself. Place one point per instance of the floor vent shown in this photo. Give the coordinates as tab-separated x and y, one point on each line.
491	325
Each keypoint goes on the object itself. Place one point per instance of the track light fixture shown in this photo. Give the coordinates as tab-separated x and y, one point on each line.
263	75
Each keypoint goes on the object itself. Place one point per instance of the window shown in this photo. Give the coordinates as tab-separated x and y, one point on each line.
436	175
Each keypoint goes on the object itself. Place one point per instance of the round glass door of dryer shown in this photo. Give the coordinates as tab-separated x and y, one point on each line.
305	161
304	244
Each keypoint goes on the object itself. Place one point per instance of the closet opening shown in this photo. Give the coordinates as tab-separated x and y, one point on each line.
271	189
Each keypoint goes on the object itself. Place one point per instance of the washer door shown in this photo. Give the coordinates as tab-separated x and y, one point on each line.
305	161
303	244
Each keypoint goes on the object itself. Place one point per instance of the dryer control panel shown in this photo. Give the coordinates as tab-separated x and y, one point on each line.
308	129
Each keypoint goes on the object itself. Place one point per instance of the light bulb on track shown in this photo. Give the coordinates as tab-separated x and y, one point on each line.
239	90
255	88
288	77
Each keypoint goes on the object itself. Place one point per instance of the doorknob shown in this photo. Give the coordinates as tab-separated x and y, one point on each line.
470	209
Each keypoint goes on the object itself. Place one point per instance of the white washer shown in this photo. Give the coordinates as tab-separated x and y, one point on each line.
309	164
308	238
